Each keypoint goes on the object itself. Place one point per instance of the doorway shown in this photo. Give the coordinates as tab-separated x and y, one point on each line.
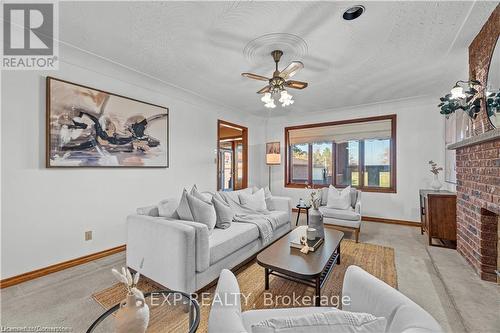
232	156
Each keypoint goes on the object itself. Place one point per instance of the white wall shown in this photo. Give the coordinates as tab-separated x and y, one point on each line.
420	138
45	212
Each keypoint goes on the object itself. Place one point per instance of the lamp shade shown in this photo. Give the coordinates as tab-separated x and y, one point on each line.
273	159
273	154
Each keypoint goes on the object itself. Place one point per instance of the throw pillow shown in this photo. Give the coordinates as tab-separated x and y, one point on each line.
339	199
324	196
332	321
202	196
203	212
218	196
223	212
234	195
256	201
167	208
183	209
267	192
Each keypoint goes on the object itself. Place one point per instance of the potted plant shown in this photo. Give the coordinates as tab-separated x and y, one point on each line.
435	184
315	216
133	315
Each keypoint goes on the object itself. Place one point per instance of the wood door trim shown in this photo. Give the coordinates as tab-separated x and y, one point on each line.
8	282
245	151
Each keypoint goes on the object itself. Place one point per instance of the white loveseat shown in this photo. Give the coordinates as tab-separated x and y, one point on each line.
366	293
184	255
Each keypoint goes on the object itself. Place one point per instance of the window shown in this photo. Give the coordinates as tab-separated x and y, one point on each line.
377	168
322	163
359	152
347	163
299	163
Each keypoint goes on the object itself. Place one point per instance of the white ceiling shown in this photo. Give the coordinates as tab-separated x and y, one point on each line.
394	50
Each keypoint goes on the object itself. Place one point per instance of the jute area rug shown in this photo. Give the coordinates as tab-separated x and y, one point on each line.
375	259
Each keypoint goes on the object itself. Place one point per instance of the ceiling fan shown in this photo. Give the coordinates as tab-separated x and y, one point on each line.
280	79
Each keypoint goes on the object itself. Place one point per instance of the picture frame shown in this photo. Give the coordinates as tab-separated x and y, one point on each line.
90	127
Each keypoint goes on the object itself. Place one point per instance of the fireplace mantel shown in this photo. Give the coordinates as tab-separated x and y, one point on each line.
477	139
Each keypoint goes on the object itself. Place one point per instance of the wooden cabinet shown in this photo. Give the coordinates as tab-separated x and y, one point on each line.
438	214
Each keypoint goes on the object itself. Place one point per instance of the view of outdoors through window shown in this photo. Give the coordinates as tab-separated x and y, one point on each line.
377	167
348	163
342	155
299	166
322	163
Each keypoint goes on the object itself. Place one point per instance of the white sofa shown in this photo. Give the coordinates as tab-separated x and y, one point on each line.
349	219
367	294
184	256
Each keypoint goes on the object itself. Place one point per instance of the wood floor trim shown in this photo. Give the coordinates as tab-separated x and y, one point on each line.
383	220
8	282
391	221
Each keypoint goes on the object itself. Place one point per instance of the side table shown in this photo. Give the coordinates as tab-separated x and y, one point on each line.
306	209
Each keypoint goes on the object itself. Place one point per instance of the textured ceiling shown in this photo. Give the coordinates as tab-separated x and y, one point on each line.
394	50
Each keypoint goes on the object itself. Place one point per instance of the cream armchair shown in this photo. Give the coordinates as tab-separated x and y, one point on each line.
345	220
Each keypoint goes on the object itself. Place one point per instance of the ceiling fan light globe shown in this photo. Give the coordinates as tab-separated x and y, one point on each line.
457	92
270	105
267	98
285	97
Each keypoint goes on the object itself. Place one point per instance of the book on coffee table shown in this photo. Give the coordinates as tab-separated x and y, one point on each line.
295	240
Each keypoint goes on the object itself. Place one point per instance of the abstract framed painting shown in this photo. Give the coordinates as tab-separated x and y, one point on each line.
88	127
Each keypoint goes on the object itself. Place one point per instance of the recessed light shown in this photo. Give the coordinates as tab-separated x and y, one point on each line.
353	13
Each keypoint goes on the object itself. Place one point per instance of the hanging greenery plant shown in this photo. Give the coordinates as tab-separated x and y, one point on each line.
459	99
492	102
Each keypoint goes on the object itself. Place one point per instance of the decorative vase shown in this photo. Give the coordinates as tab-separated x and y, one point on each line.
133	315
436	184
464	126
316	222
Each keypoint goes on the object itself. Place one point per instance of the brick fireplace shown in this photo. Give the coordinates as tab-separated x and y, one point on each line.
478	206
478	170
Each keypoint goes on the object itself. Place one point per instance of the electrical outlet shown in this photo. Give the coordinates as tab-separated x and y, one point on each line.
88	235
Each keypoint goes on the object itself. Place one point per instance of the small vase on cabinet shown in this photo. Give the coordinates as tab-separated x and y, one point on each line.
436	184
133	315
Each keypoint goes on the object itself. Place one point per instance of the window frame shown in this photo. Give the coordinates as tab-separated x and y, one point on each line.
393	157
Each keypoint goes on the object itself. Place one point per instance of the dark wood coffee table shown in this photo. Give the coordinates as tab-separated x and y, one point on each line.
311	269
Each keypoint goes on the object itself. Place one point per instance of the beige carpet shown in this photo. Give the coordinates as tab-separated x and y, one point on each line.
375	259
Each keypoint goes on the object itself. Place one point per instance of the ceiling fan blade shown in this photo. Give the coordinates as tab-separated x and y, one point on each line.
264	90
291	69
296	84
255	76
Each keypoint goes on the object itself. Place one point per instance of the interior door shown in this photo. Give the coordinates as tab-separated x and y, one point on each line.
227	168
232	156
238	165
